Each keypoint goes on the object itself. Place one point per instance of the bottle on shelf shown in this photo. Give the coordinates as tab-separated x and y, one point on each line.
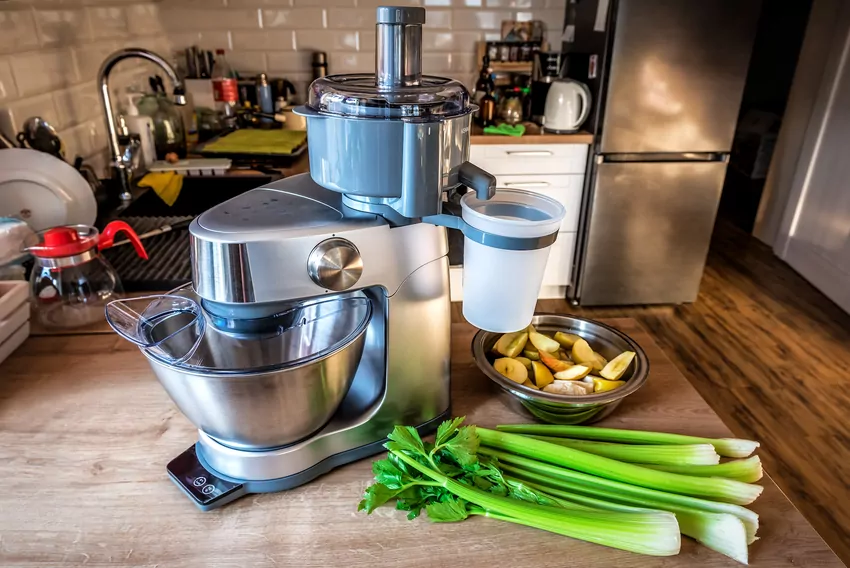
484	84
225	87
487	111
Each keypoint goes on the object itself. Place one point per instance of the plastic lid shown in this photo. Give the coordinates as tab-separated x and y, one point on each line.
513	213
357	95
62	241
175	330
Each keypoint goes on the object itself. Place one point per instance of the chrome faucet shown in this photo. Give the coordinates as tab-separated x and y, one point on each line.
121	168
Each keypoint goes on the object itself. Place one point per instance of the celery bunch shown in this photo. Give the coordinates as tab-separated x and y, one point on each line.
625	496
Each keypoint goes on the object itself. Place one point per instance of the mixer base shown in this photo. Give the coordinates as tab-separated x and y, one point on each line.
209	489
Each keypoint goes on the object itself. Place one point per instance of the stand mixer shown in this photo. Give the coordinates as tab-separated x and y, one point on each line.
319	313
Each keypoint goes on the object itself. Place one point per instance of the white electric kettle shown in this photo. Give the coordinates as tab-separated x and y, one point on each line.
567	106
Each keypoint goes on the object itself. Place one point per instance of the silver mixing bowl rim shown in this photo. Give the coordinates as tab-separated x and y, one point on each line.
285	366
638	378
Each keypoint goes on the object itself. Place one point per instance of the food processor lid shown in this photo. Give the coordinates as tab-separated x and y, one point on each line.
397	89
176	331
358	95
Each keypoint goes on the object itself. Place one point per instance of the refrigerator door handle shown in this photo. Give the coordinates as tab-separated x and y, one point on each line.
621	158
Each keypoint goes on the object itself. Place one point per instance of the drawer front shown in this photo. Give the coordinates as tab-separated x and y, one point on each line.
530	158
560	264
566	189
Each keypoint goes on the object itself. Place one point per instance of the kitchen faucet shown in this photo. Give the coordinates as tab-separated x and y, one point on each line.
121	168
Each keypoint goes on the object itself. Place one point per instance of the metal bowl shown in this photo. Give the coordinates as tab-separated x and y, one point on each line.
563	409
259	391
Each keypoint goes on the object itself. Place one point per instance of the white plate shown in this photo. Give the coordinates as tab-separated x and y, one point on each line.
43	190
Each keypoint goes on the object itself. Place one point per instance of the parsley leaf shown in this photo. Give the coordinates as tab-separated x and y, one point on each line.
464	446
375	496
388	474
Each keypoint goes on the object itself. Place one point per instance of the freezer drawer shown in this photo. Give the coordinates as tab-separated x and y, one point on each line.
649	231
677	74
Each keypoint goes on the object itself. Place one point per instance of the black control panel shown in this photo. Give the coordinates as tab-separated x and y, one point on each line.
197	482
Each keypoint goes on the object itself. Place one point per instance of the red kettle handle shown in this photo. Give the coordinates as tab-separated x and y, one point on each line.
107	237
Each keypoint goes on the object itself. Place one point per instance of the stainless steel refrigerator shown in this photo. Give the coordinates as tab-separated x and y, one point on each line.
668	79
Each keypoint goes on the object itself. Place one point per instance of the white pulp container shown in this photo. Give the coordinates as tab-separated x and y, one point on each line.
500	286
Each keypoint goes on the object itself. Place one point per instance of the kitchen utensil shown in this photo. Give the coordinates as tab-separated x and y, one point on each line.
567	106
562	409
510	213
179	226
282	88
249	390
71	282
43	190
38	134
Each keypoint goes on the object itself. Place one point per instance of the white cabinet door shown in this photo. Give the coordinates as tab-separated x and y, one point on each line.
530	158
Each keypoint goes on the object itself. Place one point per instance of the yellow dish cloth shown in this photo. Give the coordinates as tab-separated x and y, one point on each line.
166	185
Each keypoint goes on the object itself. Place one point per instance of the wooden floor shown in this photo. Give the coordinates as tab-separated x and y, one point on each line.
771	355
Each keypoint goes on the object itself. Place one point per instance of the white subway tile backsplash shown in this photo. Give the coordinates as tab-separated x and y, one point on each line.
108	22
553	19
17	31
288	62
84	139
276	40
352	62
62	27
8	91
294	18
77	104
436	63
438	40
188	19
325	40
210	40
23	109
257	3
438	19
479	19
351	18
144	19
248	62
41	71
366	40
89	58
324	3
376	3
464	63
518	4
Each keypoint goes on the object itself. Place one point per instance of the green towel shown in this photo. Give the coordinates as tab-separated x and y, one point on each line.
506	129
251	141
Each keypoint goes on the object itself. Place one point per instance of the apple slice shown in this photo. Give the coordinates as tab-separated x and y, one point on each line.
599	362
542	375
529	384
604	385
567	340
574	373
553	362
543	343
525	362
512	369
531	353
617	366
583	354
512	344
564	356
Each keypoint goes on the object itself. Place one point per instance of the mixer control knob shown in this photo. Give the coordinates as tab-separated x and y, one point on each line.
335	264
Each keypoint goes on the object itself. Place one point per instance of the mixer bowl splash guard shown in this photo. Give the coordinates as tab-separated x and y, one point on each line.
250	391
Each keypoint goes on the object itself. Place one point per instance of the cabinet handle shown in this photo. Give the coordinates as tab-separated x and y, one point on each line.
526	184
529	152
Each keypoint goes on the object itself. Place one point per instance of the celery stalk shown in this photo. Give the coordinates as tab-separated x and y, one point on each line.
712	487
655	533
727	447
616	490
722	532
686	454
747	470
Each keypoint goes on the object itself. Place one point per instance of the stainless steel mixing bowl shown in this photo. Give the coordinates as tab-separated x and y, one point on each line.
259	392
562	409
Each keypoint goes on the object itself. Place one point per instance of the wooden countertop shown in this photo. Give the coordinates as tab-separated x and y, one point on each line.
86	432
533	135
